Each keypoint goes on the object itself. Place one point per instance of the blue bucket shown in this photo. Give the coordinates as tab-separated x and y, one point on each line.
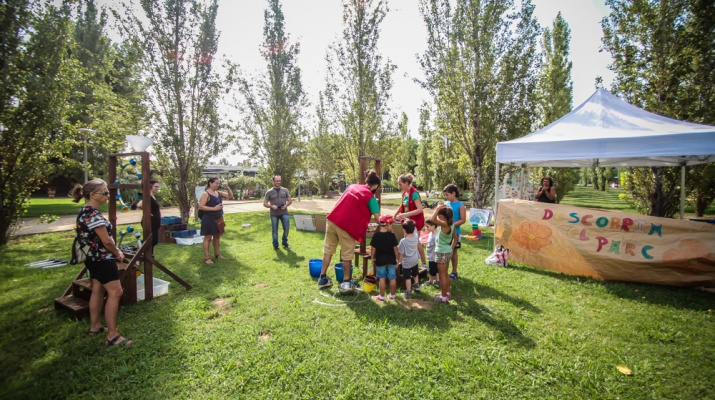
339	276
315	265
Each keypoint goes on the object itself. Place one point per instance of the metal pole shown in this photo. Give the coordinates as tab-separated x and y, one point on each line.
86	132
84	160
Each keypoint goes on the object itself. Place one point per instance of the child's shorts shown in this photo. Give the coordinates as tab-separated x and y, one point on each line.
443	258
433	268
409	272
386	271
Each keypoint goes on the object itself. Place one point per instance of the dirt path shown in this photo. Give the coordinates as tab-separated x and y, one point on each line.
316	205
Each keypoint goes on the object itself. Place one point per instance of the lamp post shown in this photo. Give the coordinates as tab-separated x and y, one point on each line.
84	157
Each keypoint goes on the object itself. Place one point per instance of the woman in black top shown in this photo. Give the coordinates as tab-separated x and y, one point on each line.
547	192
211	206
155	213
101	262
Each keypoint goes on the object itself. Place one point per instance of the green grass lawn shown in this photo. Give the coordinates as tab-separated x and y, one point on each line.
255	326
38	206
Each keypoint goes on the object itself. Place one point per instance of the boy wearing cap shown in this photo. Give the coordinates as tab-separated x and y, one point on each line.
384	256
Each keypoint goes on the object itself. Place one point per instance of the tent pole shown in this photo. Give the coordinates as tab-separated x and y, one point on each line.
682	191
496	201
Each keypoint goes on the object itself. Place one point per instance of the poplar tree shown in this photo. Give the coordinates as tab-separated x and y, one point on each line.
274	105
555	95
179	40
358	84
37	74
425	167
480	67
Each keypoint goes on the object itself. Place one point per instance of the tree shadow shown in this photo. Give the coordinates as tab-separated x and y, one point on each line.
682	298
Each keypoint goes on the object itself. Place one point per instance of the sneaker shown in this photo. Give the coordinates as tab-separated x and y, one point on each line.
285	246
378	298
324	282
428	283
407	295
453	275
416	287
449	295
391	296
440	299
275	247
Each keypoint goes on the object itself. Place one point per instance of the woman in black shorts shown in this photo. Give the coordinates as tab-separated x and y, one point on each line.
93	231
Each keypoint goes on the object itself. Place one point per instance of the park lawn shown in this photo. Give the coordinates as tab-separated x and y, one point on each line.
255	326
38	206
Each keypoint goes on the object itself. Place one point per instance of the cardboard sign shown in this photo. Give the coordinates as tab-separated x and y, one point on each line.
608	245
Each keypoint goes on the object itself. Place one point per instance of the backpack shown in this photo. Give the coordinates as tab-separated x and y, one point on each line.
79	251
500	257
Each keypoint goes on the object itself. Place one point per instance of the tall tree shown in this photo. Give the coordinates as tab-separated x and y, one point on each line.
664	59
109	88
425	168
555	94
480	67
275	105
37	73
179	40
358	84
405	150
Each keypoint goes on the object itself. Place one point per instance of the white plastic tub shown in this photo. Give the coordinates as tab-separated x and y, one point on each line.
190	240
160	287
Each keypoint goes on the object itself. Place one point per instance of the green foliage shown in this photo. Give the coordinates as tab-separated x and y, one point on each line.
653	191
110	94
38	74
664	60
274	104
178	42
480	67
357	88
322	155
425	167
405	154
700	186
555	88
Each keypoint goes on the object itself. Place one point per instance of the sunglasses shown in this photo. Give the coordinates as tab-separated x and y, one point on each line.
102	193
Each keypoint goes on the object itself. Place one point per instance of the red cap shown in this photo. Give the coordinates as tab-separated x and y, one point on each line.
386	219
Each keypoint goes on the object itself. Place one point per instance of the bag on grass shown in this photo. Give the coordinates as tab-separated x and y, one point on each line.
79	251
500	257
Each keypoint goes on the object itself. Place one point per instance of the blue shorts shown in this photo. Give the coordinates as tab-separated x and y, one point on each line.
387	271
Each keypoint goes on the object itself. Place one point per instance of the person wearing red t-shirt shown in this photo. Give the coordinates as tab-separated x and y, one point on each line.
347	223
411	202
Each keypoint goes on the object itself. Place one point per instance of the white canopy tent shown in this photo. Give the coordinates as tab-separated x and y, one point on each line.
605	131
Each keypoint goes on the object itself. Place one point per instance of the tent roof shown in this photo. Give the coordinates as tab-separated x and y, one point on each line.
606	131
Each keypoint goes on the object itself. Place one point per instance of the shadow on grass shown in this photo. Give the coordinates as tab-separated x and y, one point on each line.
677	297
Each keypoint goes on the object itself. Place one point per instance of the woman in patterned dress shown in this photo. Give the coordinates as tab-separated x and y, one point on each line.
93	230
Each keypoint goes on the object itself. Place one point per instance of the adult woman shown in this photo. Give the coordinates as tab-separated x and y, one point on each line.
347	222
93	231
155	213
411	202
212	206
547	192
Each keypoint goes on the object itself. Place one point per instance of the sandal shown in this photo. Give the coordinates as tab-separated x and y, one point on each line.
100	330
219	256
208	261
117	342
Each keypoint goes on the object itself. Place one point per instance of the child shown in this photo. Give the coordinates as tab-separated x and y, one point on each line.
384	256
446	241
431	243
410	252
459	212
